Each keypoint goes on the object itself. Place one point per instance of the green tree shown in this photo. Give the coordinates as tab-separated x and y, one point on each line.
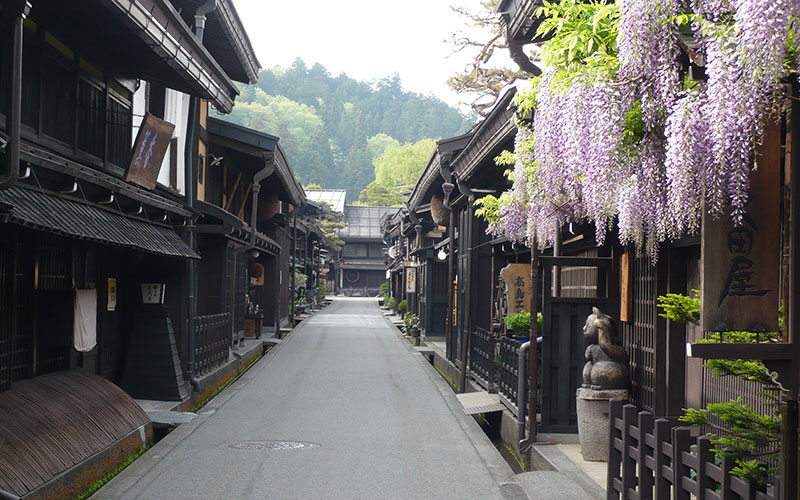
378	195
400	166
333	127
378	144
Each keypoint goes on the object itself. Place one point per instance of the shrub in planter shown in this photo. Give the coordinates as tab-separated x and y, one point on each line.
520	323
402	306
390	302
411	324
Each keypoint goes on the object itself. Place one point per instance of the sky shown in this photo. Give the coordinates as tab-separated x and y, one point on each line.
367	39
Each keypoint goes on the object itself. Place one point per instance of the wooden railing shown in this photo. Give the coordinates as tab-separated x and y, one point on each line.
482	345
213	337
659	459
507	386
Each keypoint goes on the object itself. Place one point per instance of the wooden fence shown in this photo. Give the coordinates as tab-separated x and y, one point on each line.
213	337
507	386
659	459
481	360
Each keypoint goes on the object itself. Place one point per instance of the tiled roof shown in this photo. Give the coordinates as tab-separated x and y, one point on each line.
333	197
363	222
35	209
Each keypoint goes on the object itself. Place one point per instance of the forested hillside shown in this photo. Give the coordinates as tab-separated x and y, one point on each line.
333	128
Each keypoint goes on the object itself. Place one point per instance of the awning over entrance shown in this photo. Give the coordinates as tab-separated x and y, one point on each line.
38	210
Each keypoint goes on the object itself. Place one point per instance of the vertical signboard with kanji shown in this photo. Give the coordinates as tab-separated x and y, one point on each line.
148	152
111	300
741	263
518	286
411	280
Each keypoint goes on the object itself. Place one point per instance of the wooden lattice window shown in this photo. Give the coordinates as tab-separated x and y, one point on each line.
639	336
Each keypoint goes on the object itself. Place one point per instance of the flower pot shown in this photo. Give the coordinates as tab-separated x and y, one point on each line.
415	332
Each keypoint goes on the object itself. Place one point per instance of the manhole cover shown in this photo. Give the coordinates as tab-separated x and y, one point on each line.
271	445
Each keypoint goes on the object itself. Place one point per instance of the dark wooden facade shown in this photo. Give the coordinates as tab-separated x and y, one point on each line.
241	273
362	260
69	219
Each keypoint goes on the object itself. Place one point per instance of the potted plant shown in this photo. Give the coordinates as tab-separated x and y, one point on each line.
520	324
411	321
402	306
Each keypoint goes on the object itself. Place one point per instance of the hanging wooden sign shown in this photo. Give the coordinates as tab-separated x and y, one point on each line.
111	300
149	149
741	264
518	286
411	280
626	288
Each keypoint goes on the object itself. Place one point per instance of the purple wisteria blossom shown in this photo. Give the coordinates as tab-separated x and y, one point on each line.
578	162
689	157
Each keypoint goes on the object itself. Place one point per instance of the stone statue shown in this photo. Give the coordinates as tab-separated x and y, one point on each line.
607	362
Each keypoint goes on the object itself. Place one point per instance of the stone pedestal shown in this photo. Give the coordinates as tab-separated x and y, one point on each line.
593	423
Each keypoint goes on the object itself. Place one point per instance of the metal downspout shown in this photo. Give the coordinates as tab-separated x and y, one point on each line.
522	396
189	180
18	11
533	366
262	174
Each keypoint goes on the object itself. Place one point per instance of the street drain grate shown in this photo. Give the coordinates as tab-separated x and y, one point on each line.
271	445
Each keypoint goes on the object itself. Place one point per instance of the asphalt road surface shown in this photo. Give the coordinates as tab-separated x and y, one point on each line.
371	419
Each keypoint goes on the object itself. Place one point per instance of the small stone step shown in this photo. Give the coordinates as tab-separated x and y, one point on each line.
163	418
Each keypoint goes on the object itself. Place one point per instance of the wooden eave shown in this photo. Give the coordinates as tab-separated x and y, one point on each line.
258	143
432	171
496	129
519	16
37	155
160	27
225	38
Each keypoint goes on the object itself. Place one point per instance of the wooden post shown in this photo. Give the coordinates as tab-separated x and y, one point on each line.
789	450
614	455
451	276
704	457
681	443
662	434
628	462
646	424
725	484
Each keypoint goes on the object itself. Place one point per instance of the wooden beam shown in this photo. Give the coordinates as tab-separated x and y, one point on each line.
732	350
229	202
575	261
244	201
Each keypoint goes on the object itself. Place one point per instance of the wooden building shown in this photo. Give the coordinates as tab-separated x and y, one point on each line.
429	210
94	244
362	267
392	224
249	193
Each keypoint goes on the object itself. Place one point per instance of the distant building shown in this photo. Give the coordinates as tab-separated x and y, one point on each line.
333	197
362	261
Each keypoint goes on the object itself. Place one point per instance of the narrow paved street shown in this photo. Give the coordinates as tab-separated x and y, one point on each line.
382	424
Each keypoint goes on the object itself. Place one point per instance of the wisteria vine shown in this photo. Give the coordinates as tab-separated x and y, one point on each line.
619	136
